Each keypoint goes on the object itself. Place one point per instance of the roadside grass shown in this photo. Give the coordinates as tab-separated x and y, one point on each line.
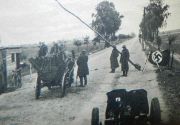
175	44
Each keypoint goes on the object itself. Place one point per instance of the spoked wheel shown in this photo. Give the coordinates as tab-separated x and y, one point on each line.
63	86
155	112
95	116
71	79
38	88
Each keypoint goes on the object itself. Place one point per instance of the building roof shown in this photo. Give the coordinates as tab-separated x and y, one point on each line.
14	47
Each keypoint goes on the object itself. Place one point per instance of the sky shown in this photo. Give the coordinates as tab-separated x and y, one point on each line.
32	21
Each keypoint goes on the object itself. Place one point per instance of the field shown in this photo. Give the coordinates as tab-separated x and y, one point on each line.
175	44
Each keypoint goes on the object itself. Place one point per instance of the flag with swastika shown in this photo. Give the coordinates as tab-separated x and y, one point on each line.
159	57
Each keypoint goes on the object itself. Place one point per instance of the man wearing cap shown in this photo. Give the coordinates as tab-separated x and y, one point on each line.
124	60
83	69
114	60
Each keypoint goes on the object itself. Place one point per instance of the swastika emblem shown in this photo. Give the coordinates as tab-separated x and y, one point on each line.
157	57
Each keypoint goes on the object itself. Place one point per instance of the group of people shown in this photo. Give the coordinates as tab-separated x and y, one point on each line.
123	60
43	49
82	61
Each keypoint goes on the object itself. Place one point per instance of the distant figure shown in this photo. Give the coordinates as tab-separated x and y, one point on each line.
61	47
54	49
124	60
83	69
73	54
114	60
43	50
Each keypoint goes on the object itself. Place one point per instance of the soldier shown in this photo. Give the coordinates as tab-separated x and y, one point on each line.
54	49
73	54
114	60
83	69
43	50
124	60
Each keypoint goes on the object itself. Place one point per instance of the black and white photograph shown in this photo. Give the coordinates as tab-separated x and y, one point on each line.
89	62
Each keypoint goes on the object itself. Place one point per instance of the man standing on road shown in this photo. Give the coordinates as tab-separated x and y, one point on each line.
114	60
83	69
124	60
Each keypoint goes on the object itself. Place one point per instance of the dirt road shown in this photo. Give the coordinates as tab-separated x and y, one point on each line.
21	108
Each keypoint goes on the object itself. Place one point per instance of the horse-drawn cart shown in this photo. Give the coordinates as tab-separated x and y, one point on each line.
53	70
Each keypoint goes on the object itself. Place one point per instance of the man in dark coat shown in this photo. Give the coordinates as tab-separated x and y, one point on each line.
42	50
83	69
54	49
124	60
114	60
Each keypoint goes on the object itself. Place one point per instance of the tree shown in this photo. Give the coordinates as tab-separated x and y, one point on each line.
77	43
155	16
159	42
106	20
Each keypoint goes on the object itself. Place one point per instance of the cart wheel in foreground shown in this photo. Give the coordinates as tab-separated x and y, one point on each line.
95	116
155	111
38	88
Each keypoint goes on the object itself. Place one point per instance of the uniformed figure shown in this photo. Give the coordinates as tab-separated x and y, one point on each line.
124	60
83	69
43	50
114	60
54	49
73	54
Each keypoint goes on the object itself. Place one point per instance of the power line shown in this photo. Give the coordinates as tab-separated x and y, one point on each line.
82	21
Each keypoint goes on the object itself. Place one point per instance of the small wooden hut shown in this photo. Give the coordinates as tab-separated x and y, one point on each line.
9	61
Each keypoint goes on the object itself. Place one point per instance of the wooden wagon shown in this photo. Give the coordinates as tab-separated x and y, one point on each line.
52	71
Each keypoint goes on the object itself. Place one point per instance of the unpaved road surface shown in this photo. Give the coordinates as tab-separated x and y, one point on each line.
21	108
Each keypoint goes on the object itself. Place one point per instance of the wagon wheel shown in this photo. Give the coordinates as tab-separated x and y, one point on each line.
95	116
155	112
63	86
38	88
70	79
